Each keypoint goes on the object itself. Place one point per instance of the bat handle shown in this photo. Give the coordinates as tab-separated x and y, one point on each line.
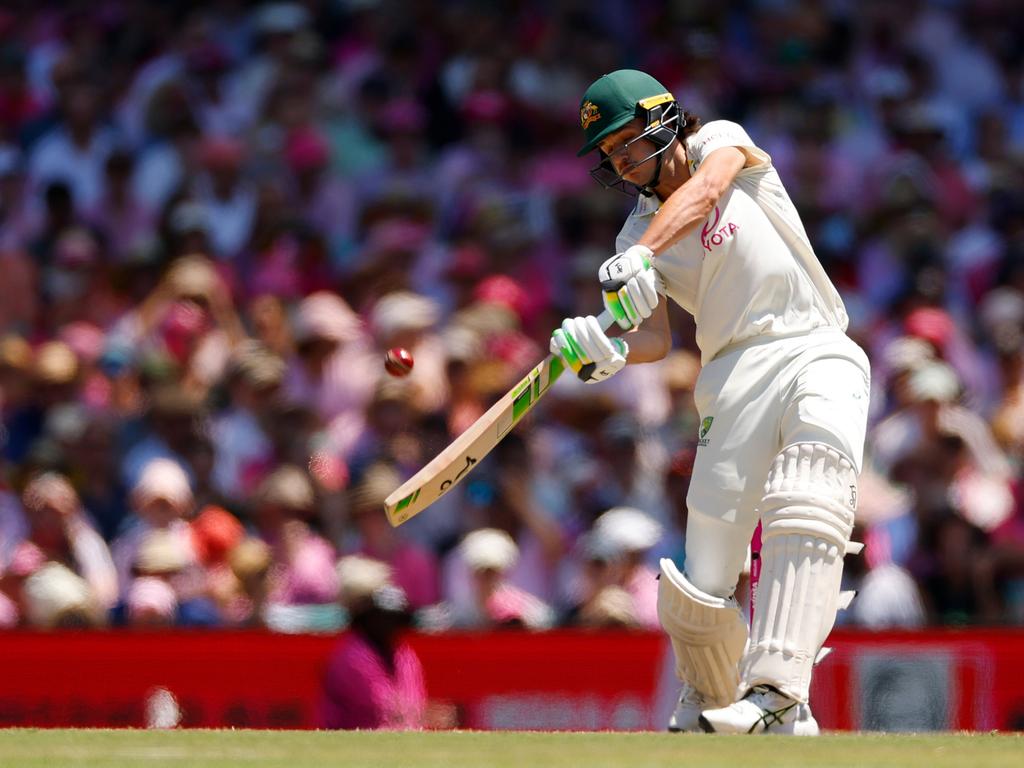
606	321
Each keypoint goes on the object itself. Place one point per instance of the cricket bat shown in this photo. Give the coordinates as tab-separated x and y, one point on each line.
452	465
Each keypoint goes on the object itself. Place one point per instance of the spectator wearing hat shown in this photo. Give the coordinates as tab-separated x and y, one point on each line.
374	678
488	600
283	508
933	390
161	500
627	535
333	370
167	556
57	598
407	320
63	533
945	451
413	568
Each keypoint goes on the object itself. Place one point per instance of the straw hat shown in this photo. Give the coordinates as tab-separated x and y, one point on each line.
162	479
54	593
162	552
55	363
403	311
489	549
375	486
288	487
359	577
624	530
934	381
324	315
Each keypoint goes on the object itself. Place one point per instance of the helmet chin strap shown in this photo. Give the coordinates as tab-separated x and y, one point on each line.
647	190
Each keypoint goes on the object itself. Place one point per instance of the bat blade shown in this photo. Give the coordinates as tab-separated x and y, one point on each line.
452	465
456	461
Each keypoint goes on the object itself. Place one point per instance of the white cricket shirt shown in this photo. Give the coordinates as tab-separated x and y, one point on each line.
749	270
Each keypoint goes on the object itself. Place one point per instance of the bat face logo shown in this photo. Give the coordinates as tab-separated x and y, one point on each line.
589	113
470	461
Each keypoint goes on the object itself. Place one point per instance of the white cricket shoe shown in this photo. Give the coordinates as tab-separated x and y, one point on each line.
687	712
762	710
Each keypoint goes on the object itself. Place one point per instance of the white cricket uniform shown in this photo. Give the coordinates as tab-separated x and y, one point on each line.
778	368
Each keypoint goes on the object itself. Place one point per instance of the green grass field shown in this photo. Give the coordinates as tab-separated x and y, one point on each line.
295	749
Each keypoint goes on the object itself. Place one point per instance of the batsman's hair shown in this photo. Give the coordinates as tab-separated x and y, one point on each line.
690	124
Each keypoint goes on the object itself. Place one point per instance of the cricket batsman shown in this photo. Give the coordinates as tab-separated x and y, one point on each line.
782	396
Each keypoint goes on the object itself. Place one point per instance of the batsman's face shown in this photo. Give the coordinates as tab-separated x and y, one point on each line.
630	156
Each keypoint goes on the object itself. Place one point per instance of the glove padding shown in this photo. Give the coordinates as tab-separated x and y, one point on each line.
630	286
587	350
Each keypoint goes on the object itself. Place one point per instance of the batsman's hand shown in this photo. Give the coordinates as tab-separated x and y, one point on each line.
587	350
629	284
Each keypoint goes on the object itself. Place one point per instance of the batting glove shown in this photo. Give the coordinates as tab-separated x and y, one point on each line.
587	350
630	285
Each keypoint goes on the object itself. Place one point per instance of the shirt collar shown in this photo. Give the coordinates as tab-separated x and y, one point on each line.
646	206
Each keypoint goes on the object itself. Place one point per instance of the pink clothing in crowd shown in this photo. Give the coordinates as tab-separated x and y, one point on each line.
308	577
341	395
361	692
642	586
415	571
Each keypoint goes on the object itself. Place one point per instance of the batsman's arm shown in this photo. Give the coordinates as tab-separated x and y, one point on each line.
651	341
689	205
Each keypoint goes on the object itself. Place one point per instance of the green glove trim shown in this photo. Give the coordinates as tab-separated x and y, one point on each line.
630	308
614	305
568	353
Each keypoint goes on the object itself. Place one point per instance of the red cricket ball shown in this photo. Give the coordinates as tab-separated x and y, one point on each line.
398	361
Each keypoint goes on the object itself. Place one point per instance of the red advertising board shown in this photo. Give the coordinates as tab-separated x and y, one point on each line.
556	680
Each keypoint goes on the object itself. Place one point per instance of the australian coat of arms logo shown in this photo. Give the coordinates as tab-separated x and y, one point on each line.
705	427
589	114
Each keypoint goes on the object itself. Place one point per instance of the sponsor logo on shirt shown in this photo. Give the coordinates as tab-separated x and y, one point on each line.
705	427
715	232
705	140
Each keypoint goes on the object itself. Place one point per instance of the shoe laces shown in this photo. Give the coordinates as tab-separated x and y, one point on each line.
774	705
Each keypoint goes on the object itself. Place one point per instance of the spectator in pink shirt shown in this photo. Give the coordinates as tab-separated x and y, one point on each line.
415	568
374	678
627	534
334	370
303	561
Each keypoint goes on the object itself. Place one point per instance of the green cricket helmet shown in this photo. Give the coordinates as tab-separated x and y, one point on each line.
614	100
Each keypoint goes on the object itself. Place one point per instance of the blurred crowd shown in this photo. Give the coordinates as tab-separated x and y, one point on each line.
216	217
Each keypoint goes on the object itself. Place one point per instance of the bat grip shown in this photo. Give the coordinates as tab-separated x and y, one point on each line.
606	321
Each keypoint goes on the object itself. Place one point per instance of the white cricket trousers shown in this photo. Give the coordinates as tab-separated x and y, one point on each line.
754	401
